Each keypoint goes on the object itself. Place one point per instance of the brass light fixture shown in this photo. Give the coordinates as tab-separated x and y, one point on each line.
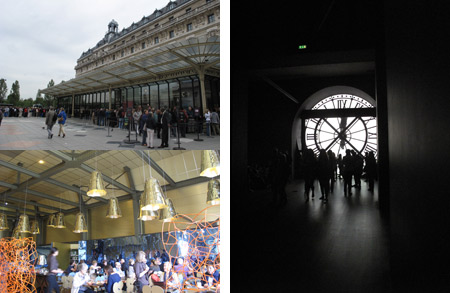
3	222
59	222
147	215
80	220
24	224
113	211
167	214
213	196
210	164
80	224
51	221
96	186
34	227
152	198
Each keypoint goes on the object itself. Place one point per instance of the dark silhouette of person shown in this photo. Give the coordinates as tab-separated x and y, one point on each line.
281	178
359	164
371	169
309	166
347	163
332	168
323	174
341	166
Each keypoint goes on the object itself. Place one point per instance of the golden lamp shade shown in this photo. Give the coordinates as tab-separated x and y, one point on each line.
16	233
210	164
34	227
213	196
167	214
51	221
24	224
148	215
152	199
3	222
113	211
59	221
80	224
96	186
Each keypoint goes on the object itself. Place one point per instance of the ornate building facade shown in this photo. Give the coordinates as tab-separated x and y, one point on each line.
166	59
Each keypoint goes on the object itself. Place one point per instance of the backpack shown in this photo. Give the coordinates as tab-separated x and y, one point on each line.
54	117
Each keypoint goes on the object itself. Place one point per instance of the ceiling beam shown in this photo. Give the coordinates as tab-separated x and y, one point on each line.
156	167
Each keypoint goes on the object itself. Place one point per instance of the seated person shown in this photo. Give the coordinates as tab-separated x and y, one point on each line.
170	279
131	273
72	268
211	276
118	270
113	277
95	268
182	268
154	266
81	280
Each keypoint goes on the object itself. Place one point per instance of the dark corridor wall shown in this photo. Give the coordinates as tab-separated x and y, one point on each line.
418	86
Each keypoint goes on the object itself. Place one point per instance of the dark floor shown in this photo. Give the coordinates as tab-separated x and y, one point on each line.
341	246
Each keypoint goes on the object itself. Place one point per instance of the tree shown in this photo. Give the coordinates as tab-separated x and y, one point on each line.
39	99
48	98
14	95
3	90
28	102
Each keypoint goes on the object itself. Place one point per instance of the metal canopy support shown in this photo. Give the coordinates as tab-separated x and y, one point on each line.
288	95
156	167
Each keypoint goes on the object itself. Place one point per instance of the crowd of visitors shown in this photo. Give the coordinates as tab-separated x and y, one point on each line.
157	266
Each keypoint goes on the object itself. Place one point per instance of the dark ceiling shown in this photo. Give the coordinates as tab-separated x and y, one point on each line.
278	27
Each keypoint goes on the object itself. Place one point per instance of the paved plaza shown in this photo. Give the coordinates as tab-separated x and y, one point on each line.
31	134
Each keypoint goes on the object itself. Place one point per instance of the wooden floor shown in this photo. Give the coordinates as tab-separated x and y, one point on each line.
341	246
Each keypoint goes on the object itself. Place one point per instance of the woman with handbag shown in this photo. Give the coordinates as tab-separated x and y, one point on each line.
61	121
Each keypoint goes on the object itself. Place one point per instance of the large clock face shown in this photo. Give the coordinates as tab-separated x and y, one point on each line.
341	133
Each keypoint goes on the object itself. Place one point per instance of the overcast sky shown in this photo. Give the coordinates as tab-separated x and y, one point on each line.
41	40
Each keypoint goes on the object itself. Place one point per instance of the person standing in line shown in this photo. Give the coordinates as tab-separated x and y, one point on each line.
1	117
53	270
61	121
347	162
215	122
174	122
151	125
50	120
136	118
208	122
165	122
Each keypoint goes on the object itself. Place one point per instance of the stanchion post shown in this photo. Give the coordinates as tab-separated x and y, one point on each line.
109	124
198	133
178	139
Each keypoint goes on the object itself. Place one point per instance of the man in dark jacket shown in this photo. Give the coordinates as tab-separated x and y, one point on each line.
165	122
50	121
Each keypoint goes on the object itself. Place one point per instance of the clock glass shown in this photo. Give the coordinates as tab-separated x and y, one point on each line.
341	133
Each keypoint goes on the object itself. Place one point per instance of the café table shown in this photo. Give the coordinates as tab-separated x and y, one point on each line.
98	286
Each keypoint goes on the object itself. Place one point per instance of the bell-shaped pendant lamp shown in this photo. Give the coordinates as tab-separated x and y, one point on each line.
16	233
152	199
113	211
51	221
34	227
80	224
96	186
213	196
168	214
24	224
210	164
148	215
59	221
3	222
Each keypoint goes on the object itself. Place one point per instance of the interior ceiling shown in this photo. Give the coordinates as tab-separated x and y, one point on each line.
54	185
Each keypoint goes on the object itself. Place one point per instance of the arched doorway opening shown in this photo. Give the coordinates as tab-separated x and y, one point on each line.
336	118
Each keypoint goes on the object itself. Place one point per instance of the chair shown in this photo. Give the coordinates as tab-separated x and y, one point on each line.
146	289
157	289
130	285
117	287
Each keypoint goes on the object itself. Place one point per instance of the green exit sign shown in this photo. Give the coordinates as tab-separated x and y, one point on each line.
302	47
